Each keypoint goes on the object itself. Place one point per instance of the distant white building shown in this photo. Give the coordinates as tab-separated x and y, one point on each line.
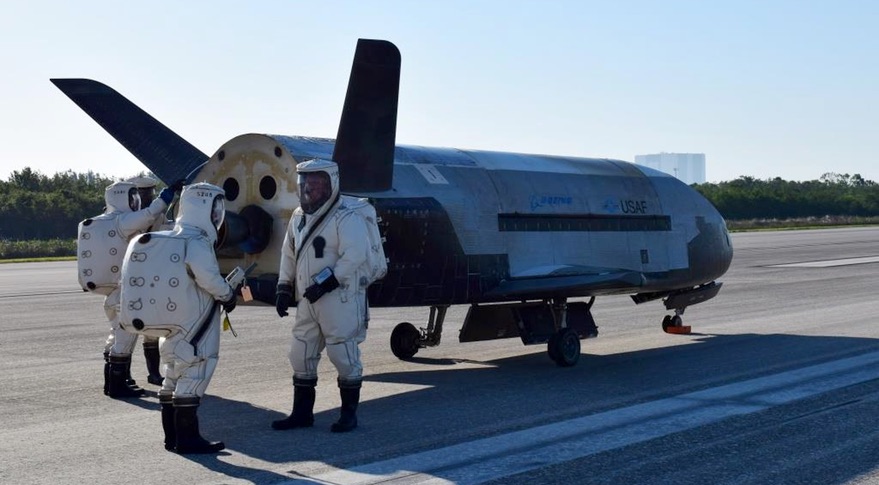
687	167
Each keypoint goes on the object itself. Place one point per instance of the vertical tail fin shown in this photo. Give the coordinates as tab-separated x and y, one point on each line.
368	127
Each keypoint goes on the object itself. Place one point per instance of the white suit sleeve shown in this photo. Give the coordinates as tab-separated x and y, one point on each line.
133	222
353	247
287	270
202	262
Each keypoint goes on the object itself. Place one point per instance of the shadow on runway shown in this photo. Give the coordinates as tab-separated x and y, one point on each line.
458	404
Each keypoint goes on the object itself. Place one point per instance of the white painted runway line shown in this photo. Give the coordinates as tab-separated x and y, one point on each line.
828	263
499	456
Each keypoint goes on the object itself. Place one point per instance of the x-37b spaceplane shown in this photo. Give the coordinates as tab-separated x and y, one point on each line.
527	241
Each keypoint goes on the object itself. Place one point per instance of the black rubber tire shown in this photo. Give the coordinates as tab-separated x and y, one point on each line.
567	348
552	347
666	322
404	340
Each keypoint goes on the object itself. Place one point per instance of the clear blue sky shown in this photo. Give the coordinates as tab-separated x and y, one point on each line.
769	88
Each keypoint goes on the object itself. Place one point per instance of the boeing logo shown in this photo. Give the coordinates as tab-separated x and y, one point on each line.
538	201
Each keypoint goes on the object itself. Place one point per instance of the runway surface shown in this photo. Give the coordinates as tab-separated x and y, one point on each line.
779	383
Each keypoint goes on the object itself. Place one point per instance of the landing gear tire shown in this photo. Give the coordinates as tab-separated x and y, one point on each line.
564	347
404	340
671	321
552	347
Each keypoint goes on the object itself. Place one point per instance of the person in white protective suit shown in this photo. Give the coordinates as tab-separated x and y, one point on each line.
323	251
146	187
101	245
174	281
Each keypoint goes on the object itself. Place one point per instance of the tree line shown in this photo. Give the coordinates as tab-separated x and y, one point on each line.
34	206
37	206
833	195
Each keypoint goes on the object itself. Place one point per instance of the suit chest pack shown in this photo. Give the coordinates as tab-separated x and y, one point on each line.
99	251
158	294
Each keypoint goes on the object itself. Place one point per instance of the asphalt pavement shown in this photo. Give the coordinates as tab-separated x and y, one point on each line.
778	383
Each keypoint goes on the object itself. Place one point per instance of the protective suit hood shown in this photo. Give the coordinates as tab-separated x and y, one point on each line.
122	197
203	206
331	169
146	186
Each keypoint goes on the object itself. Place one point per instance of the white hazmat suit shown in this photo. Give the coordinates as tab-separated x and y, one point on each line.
182	305
101	243
146	187
324	250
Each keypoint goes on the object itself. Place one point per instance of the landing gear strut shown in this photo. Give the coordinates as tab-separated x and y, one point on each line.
679	300
563	346
406	339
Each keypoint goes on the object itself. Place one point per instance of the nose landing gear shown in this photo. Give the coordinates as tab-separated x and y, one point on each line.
675	324
680	300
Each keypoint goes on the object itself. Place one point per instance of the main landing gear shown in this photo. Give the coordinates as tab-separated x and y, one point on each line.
406	339
554	321
559	324
563	346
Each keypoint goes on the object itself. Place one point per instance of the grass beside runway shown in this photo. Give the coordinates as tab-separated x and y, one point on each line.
38	260
26	251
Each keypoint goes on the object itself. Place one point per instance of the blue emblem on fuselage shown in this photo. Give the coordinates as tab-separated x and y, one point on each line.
626	206
611	206
538	201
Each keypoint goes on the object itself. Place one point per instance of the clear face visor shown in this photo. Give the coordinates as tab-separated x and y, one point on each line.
302	180
147	195
133	199
314	190
218	211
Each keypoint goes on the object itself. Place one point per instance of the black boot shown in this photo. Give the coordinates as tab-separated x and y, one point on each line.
118	385
151	354
350	393
168	422
128	380
106	373
189	440
302	415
